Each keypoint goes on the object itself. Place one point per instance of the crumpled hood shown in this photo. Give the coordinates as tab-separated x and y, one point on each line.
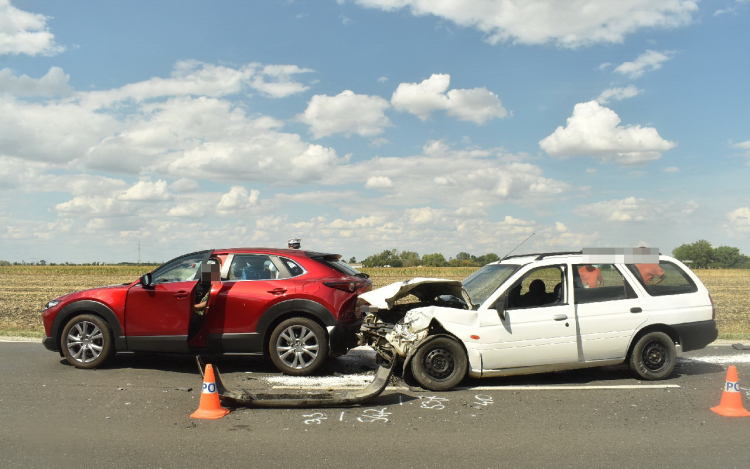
423	288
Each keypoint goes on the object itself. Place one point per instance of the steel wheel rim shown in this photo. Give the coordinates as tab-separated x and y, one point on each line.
85	342
655	355
439	363
297	346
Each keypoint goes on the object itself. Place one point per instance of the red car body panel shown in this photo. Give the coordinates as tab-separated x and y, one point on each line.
162	310
241	313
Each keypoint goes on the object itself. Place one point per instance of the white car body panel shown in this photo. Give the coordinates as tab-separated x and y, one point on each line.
550	337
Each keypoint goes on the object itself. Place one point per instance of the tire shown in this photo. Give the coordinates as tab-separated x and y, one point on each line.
653	356
86	341
298	346
440	364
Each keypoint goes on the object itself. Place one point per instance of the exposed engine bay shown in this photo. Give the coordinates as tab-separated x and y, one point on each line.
395	330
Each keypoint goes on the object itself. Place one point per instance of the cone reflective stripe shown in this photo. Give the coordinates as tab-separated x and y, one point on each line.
210	406
731	398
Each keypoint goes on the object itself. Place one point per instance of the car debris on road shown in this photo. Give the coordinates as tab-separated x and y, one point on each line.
243	398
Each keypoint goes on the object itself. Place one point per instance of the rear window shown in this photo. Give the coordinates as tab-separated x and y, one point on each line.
294	268
337	264
664	278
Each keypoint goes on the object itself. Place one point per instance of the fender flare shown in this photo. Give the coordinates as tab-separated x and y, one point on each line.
311	308
88	306
291	308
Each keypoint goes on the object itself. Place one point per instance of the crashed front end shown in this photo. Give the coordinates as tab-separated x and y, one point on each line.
396	329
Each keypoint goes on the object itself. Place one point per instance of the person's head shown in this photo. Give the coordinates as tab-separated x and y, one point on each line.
590	268
210	272
294	243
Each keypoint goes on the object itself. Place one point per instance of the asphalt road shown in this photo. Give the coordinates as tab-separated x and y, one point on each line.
135	413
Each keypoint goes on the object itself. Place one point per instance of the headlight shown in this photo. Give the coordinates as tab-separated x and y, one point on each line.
51	304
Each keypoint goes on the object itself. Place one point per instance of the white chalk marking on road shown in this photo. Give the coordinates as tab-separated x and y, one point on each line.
563	387
336	388
719	359
531	387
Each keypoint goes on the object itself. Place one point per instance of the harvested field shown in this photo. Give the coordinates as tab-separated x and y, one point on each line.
25	289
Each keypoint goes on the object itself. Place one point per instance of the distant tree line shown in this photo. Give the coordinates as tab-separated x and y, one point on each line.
43	262
702	255
396	258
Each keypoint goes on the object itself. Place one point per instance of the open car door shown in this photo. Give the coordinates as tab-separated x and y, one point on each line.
159	308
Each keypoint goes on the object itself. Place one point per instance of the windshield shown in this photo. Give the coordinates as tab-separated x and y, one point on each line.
483	283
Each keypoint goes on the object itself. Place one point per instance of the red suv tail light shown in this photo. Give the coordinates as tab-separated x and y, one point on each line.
346	285
713	307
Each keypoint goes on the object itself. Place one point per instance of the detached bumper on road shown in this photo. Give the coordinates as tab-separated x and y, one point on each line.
303	399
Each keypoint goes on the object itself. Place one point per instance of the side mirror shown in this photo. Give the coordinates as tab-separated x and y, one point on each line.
146	280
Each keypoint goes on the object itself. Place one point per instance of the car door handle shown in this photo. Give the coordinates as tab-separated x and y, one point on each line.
277	291
181	295
635	310
560	317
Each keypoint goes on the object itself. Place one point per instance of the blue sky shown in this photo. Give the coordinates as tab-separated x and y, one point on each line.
363	125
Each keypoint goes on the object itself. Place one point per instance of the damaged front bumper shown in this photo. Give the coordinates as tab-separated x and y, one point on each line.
242	398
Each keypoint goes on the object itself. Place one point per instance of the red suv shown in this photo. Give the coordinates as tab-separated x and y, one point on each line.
296	307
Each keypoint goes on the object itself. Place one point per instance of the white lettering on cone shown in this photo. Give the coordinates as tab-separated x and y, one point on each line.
209	388
733	387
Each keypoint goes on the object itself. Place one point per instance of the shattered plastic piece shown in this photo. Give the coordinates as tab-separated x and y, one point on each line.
741	346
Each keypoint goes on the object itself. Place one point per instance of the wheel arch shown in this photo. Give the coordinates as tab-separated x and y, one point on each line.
290	309
436	329
96	308
670	331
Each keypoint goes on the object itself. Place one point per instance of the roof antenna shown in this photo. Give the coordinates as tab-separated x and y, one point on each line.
506	256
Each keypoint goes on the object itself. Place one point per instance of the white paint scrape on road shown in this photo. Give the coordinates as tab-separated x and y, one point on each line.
719	359
324	382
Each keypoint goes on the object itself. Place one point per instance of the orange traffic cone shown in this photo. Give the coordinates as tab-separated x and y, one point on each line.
731	398
210	407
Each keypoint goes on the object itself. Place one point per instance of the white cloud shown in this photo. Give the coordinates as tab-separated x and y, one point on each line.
594	131
618	94
630	209
671	169
477	105
689	207
738	221
55	82
91	206
476	178
22	32
237	199
185	185
346	113
646	62
276	81
147	191
567	23
195	78
53	132
744	146
379	182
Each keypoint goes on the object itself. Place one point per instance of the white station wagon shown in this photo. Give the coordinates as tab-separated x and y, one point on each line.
540	312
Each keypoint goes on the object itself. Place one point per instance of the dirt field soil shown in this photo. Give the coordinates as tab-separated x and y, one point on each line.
24	290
